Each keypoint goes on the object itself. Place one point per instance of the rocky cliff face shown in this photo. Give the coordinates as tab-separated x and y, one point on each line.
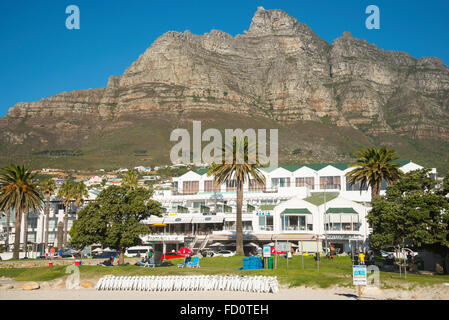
280	69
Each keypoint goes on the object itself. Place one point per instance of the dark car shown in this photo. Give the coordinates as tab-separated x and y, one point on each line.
171	255
104	255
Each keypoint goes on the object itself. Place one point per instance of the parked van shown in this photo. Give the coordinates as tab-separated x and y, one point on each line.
137	251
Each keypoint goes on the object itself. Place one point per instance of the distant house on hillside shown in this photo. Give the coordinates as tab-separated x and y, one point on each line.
142	169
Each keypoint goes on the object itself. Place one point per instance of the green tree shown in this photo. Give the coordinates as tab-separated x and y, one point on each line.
47	189
66	193
19	192
411	213
230	170
372	167
114	219
130	179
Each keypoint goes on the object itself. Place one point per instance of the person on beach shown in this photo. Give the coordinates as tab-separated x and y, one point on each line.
362	258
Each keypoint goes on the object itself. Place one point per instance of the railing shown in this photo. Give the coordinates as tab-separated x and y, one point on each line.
177	192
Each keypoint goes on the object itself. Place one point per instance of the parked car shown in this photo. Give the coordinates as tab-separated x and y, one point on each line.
400	255
137	251
225	253
104	255
171	255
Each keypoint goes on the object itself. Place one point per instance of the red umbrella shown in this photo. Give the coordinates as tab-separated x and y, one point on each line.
184	251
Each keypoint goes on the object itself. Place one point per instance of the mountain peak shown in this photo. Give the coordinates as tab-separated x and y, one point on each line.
272	21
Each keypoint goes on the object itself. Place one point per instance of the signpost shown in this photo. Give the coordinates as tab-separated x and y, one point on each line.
283	246
266	254
359	278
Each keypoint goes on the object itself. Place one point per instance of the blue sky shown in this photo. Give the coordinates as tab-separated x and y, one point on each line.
40	57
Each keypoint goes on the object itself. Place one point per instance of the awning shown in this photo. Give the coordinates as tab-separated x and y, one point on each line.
245	217
341	210
155	219
296	211
207	219
177	219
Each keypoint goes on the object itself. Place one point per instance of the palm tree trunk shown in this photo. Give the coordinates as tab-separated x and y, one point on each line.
66	223
46	217
17	234
375	190
239	224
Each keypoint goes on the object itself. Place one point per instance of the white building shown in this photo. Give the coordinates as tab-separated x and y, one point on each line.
36	223
311	205
142	169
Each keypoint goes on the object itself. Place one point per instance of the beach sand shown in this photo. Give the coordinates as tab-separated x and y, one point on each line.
298	293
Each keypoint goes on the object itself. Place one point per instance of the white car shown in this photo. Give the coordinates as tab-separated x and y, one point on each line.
399	255
225	253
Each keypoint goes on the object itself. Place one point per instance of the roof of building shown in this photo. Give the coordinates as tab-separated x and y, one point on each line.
313	166
319	198
296	210
340	210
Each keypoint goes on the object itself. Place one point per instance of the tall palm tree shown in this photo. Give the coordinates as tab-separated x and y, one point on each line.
229	170
80	193
372	167
131	179
47	188
67	194
18	191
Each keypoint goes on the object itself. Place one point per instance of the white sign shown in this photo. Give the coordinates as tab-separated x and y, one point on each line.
359	275
266	251
164	238
283	246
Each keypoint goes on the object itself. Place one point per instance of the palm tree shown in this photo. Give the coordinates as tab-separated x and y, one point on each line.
372	167
18	192
229	170
67	194
80	193
47	189
131	179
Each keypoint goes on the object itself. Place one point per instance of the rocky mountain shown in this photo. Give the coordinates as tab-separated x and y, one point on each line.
279	72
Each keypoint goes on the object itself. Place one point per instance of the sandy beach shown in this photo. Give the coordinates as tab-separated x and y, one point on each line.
298	293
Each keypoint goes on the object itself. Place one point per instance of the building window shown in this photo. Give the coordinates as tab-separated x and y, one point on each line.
231	185
211	186
293	223
266	223
51	237
32	237
190	187
280	182
253	185
330	182
355	186
52	223
308	182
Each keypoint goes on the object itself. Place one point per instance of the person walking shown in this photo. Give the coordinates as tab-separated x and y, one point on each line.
362	257
332	253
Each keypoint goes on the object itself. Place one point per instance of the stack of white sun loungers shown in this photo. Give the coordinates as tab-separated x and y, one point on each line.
259	284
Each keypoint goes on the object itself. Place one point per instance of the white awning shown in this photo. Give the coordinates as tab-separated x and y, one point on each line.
177	219
207	219
155	219
245	217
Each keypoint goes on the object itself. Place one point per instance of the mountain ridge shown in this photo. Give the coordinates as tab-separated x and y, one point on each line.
279	70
